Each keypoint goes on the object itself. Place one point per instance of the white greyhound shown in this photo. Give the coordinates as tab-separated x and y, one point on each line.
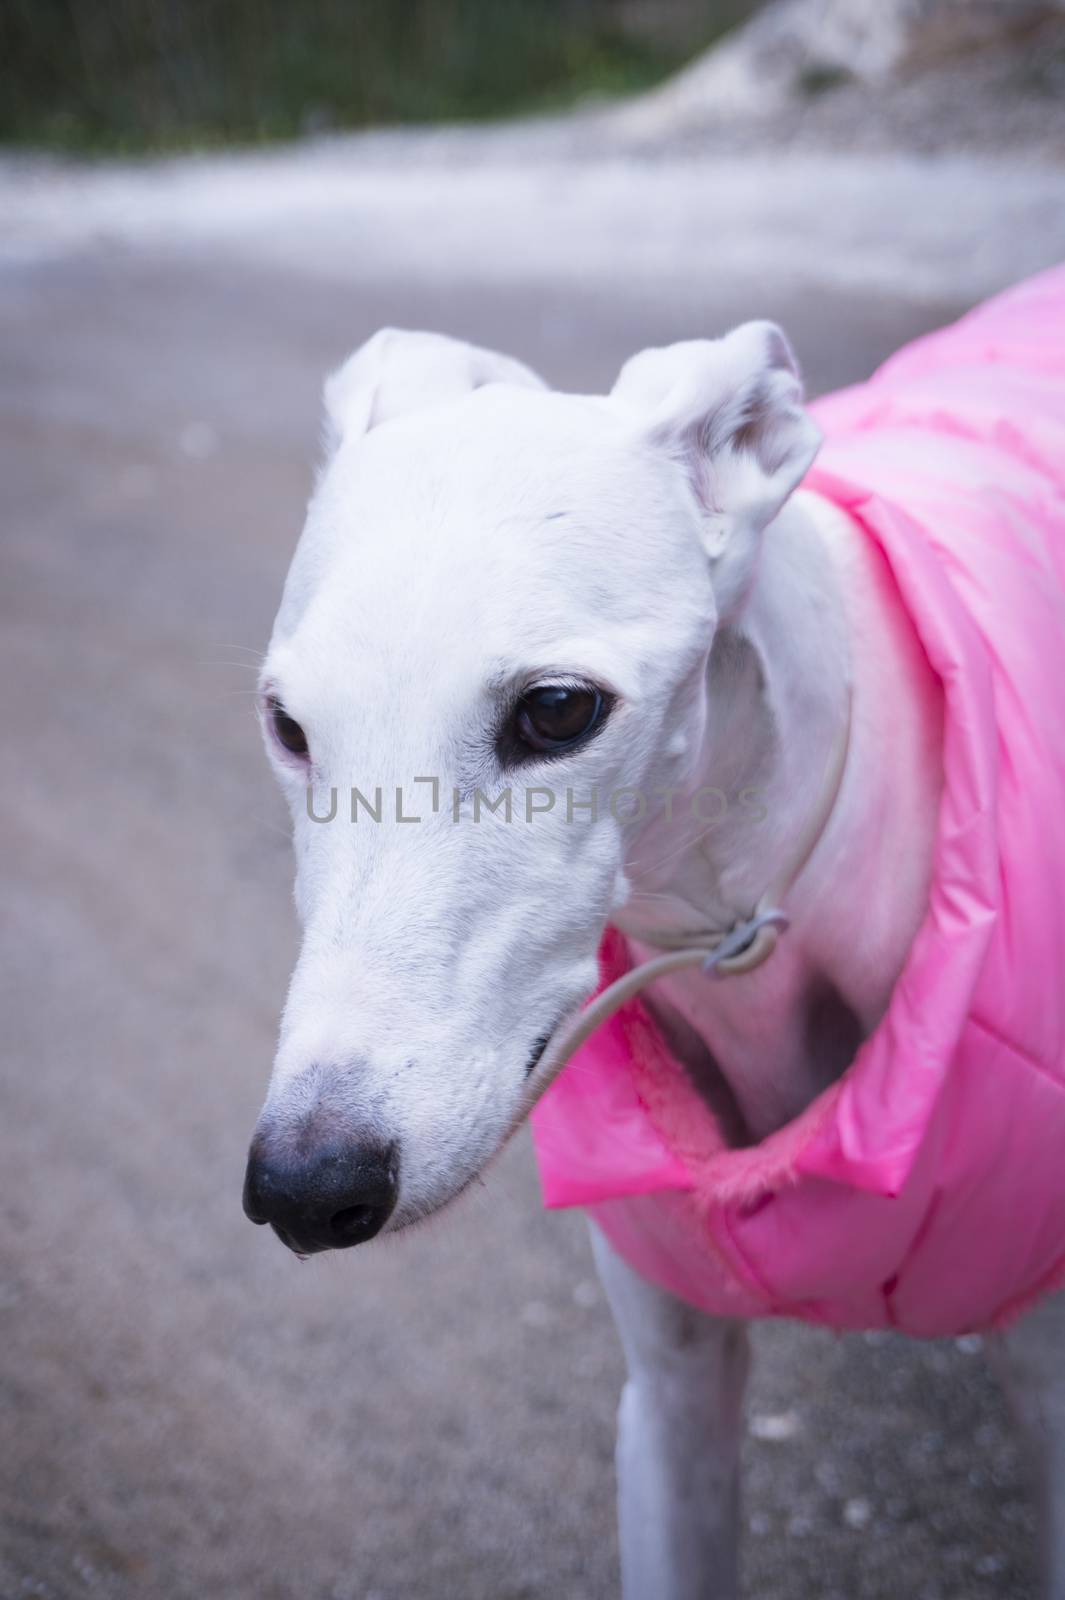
503	587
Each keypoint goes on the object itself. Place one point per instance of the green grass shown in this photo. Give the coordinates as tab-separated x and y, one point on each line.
144	75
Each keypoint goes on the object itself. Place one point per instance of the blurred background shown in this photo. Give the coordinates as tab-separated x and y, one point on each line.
152	74
203	207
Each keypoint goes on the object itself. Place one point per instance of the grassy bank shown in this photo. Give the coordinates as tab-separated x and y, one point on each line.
134	75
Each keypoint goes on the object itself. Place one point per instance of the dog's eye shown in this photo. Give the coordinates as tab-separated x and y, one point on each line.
289	733
557	715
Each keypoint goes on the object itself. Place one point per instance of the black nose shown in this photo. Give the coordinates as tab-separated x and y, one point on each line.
326	1199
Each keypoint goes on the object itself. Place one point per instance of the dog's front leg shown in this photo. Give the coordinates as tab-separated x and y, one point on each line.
1030	1357
678	1440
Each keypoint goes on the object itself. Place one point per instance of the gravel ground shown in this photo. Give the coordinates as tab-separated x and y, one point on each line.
1005	98
186	1411
987	104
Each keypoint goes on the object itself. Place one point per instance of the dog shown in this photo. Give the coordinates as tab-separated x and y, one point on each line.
524	637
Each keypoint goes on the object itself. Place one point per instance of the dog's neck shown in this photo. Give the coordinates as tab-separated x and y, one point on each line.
778	688
821	636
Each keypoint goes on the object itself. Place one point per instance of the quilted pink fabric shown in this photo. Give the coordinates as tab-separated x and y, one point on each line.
926	1190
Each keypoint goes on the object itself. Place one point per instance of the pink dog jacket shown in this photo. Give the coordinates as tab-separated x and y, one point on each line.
926	1189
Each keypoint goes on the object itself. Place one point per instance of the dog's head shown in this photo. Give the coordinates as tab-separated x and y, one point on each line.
490	656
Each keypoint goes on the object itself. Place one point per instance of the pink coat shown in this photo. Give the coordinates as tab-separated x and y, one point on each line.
926	1189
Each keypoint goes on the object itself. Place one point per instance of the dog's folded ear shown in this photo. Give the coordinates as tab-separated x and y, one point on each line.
730	412
399	371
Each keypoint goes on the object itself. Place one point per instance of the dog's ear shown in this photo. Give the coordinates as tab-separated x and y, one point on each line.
730	412
398	371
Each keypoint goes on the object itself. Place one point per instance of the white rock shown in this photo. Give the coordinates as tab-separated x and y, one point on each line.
857	1513
775	1427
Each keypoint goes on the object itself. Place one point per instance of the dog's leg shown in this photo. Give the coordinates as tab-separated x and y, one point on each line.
1030	1358
678	1440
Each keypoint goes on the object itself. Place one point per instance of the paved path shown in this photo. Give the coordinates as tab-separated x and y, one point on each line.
185	1410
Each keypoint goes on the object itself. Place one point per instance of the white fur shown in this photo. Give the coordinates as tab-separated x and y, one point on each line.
472	535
